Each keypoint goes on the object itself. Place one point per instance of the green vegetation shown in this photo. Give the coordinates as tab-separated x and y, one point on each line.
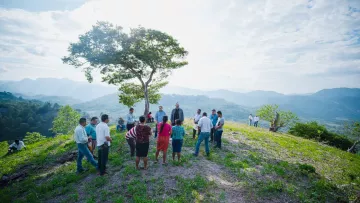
269	113
66	120
315	131
34	137
145	55
254	166
19	116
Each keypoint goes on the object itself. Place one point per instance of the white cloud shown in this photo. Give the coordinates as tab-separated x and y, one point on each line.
286	46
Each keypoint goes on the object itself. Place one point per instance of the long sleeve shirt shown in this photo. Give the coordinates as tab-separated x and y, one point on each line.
159	116
130	118
80	135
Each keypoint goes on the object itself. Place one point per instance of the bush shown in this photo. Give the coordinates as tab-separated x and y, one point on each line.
31	138
315	131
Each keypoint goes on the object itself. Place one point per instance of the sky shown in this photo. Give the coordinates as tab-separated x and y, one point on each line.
296	46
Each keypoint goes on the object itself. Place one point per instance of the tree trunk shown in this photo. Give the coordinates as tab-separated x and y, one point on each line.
147	104
353	148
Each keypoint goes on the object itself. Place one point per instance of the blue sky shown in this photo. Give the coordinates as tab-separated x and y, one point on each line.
295	46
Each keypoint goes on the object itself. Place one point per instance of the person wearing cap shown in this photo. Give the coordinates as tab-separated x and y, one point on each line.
177	113
213	118
158	118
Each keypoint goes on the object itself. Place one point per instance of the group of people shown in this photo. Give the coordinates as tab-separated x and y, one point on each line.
165	132
168	130
253	120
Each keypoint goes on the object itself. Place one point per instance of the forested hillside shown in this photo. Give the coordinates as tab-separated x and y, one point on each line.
19	116
109	104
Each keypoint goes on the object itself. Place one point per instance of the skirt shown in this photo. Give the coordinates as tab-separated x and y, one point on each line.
163	143
142	149
177	145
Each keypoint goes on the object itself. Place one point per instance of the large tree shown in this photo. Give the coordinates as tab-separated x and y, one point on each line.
138	61
66	120
276	117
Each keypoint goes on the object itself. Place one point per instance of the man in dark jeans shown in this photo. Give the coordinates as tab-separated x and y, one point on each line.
213	118
103	142
219	129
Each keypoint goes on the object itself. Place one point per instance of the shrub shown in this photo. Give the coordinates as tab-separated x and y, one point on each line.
31	138
315	131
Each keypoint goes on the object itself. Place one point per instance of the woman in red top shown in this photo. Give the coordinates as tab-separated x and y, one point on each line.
164	130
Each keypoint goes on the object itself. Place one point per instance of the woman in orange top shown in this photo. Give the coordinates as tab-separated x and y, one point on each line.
164	130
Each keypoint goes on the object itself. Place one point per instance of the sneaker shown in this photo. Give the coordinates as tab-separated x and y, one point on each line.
195	154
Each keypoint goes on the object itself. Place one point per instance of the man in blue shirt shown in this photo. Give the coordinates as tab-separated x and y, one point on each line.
130	119
213	118
91	132
159	117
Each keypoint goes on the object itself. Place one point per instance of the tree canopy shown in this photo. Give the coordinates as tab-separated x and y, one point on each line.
66	120
138	62
268	113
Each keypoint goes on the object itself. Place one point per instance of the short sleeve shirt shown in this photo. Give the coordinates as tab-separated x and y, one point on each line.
102	131
221	121
165	131
143	133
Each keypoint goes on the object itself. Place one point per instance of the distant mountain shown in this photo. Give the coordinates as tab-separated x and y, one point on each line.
109	104
338	92
62	100
82	91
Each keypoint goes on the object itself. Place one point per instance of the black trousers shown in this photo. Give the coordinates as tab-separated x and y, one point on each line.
103	154
212	134
129	126
194	133
132	145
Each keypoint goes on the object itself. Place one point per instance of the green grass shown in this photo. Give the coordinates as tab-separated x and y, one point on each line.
264	166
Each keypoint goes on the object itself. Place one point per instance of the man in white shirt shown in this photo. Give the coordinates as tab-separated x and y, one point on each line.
256	121
103	140
196	120
16	146
250	119
81	140
205	125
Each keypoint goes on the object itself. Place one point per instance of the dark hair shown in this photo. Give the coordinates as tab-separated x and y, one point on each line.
82	120
104	117
17	141
204	114
150	112
165	119
199	110
142	119
219	112
94	118
131	109
178	122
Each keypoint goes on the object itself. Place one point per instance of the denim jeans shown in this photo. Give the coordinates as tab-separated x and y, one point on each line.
212	134
218	138
203	136
84	151
103	152
256	123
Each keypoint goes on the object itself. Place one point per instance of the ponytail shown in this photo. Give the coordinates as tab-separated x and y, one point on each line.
164	121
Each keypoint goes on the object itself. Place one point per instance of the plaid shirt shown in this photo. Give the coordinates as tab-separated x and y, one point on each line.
178	132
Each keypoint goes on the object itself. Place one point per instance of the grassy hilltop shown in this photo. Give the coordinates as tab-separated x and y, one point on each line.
254	166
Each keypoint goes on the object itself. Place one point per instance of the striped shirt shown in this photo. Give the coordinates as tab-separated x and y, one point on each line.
131	133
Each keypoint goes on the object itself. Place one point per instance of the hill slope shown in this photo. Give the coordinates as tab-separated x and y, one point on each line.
254	166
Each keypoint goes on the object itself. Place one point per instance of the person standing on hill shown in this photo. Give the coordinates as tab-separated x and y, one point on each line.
250	119
91	132
158	118
130	138
177	113
213	118
204	126
177	135
196	121
256	121
219	129
103	142
82	141
130	119
143	133
164	130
